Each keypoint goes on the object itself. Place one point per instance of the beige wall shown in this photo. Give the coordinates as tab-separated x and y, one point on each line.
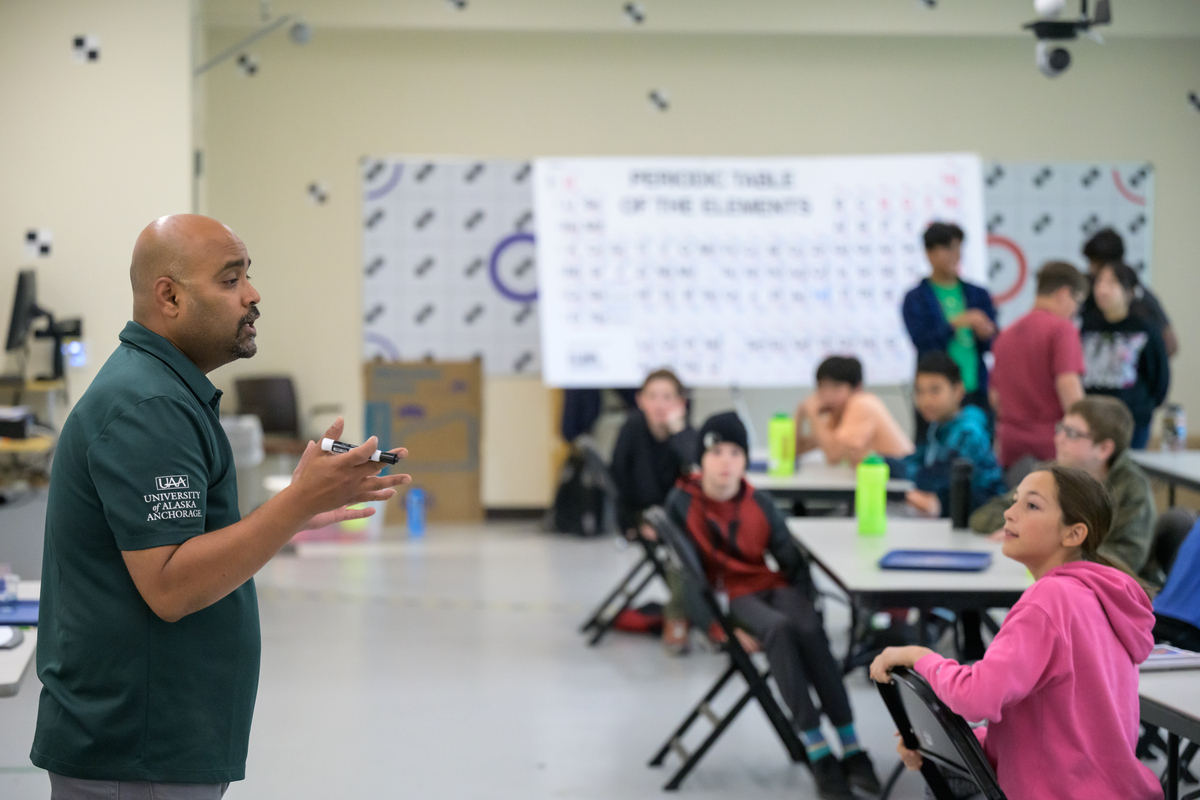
803	17
313	111
91	151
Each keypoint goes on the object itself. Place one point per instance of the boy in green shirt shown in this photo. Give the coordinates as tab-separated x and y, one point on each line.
944	312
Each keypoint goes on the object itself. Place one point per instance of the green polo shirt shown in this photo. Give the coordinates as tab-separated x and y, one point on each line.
142	462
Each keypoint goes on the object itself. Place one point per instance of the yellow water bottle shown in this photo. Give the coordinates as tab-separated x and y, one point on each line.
781	441
870	496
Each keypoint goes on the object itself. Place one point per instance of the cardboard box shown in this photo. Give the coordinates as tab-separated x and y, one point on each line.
433	408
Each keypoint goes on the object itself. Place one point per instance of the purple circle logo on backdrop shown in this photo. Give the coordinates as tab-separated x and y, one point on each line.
494	268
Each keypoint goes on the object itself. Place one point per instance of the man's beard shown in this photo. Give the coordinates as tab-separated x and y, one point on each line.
244	345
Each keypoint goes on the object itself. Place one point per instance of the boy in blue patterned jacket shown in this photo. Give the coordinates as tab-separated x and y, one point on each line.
954	432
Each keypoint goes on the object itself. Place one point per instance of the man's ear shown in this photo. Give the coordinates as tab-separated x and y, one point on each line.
1105	449
166	297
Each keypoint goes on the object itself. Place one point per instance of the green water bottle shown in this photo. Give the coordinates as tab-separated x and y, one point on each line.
781	439
870	496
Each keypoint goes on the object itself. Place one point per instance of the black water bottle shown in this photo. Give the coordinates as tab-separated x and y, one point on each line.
961	472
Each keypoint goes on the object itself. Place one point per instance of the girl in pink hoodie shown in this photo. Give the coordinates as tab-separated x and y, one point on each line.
1059	683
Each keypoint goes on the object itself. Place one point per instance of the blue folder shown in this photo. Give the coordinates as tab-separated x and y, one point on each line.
942	560
24	612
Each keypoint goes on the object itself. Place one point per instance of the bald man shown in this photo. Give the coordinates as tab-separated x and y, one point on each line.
149	644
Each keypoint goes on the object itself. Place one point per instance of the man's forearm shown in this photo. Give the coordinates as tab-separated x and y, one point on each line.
208	567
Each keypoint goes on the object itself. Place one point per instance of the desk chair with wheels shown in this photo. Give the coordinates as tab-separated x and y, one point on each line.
623	595
943	738
681	552
273	400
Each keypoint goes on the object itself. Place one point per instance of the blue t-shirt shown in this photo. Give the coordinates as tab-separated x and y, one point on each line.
1180	598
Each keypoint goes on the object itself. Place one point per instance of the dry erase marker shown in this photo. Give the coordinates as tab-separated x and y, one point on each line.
331	446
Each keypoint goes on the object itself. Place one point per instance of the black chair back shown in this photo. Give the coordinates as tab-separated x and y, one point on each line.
679	546
272	400
683	552
596	473
943	738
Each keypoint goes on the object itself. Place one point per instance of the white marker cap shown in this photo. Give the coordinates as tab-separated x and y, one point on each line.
327	445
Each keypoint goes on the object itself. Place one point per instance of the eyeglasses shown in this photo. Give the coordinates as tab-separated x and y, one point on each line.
1074	434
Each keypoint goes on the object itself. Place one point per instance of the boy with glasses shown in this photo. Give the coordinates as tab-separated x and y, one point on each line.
1094	436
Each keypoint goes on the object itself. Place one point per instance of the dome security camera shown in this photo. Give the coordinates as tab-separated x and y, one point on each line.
1052	60
1051	57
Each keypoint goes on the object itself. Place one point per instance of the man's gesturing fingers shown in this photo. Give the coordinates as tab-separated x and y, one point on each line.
335	430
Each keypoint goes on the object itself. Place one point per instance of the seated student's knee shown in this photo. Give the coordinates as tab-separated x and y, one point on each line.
772	631
808	626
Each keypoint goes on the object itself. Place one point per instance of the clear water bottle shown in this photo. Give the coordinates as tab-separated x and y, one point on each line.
1174	435
414	506
9	581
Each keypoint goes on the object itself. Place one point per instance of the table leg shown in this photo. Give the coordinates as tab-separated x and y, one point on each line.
1172	766
1171	494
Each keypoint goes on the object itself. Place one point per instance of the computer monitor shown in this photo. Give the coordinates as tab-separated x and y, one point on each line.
24	311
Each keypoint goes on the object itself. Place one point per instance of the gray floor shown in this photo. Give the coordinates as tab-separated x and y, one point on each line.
451	668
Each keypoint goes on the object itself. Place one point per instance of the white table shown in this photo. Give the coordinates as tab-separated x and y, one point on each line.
15	662
852	562
1171	700
1181	468
815	479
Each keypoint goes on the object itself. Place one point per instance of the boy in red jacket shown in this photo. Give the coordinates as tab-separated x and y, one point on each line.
733	527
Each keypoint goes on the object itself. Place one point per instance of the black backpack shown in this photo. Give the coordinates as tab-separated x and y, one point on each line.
581	504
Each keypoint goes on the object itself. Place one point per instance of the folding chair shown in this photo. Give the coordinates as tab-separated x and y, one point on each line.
637	579
943	738
684	556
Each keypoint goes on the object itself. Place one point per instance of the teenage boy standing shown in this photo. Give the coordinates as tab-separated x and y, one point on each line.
733	527
1038	367
944	312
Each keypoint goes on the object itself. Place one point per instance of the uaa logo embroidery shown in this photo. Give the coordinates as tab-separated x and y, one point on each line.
166	482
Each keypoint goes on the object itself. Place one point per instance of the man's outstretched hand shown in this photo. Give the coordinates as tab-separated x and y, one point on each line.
327	483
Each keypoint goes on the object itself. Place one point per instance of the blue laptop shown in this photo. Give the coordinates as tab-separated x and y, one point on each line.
23	612
940	560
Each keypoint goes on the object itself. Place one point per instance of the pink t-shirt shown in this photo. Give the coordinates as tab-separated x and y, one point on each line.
1030	354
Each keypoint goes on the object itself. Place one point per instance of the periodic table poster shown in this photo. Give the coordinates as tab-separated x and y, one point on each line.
449	254
743	272
449	263
1040	211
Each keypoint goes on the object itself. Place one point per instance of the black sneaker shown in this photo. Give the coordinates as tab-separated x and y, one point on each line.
860	772
830	780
